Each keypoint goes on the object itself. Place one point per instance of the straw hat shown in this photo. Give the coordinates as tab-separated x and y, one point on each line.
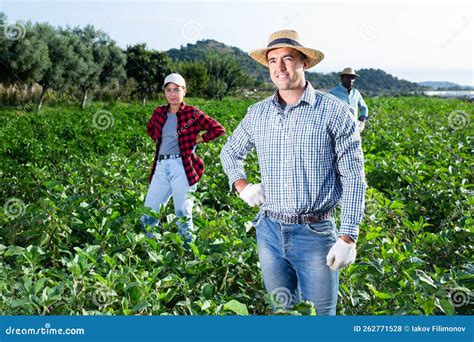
286	38
348	71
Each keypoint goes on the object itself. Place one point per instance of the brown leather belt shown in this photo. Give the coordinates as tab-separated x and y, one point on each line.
297	219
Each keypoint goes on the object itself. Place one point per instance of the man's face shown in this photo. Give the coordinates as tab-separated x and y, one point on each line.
286	68
348	81
174	93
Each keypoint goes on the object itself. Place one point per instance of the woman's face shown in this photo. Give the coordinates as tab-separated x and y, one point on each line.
174	93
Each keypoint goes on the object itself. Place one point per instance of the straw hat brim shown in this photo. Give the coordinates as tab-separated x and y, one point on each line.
314	56
348	73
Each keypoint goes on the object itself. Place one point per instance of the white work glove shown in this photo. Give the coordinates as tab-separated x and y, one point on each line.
361	125
341	255
253	194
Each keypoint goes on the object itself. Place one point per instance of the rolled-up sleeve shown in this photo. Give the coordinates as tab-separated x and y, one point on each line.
363	109
350	170
152	126
239	144
212	127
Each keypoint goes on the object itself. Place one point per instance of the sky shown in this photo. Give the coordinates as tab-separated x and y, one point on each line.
415	40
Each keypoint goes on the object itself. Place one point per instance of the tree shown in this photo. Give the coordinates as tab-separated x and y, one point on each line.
113	73
148	68
101	62
84	77
60	72
196	76
24	56
216	88
224	70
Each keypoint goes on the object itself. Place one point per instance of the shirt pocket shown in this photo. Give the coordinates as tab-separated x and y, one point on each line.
311	136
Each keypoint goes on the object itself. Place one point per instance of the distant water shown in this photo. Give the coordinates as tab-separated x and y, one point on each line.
450	93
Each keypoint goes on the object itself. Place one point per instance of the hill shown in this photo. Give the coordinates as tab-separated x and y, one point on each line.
371	81
193	52
444	85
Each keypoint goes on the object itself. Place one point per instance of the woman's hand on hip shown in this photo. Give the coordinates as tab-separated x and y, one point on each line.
199	139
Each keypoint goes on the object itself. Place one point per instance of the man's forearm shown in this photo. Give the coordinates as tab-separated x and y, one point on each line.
347	239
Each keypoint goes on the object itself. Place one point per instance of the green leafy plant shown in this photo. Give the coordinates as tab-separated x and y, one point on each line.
73	192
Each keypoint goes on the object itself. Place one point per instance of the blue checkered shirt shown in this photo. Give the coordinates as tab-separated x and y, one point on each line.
310	157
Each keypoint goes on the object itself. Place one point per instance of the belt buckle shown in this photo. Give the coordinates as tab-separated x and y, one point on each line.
313	219
308	219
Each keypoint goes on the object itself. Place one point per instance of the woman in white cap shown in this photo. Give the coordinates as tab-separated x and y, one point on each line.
176	129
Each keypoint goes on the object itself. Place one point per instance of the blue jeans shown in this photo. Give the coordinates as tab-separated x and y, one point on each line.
169	180
293	263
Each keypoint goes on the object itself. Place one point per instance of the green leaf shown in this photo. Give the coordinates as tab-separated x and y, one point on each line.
20	302
140	306
378	294
14	250
195	249
207	291
206	305
425	278
236	307
39	285
305	308
445	306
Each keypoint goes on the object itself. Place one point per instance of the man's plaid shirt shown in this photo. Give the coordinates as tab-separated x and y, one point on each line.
191	121
310	160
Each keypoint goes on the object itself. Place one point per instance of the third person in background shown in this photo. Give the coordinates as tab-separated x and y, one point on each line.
347	93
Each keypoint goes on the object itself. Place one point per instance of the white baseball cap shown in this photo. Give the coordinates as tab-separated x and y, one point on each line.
175	78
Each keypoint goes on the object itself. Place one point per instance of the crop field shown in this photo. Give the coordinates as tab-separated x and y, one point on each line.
73	184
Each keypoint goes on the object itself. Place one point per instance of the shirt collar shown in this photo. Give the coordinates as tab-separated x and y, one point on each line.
345	89
181	107
308	96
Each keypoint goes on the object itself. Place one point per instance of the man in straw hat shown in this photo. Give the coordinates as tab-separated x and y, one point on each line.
345	92
310	160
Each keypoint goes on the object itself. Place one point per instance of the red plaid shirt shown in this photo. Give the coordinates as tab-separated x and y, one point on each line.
191	121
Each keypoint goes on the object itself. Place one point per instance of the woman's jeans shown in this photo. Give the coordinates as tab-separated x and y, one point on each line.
169	180
293	263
